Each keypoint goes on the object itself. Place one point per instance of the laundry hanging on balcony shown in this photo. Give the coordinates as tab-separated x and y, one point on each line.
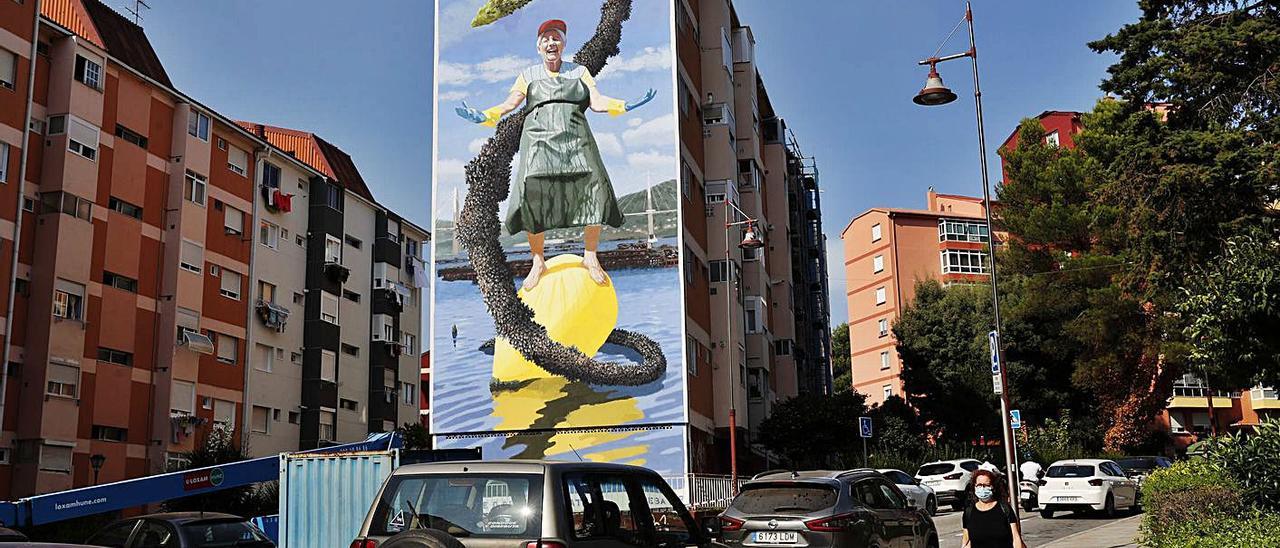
277	201
273	315
419	272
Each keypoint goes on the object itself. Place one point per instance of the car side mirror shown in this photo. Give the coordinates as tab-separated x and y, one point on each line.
711	524
911	503
915	481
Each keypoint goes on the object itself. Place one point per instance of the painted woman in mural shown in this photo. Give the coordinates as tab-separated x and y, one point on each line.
561	180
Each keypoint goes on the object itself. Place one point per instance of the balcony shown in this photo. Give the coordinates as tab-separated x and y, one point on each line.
273	315
1197	397
717	114
1264	398
336	272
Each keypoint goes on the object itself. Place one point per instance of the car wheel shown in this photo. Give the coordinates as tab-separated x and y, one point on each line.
423	538
1046	514
931	505
1109	507
932	543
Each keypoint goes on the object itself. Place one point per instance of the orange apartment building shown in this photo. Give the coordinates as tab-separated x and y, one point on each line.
772	302
132	298
888	250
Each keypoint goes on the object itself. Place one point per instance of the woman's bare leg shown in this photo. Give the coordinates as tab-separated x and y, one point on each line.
539	262
591	237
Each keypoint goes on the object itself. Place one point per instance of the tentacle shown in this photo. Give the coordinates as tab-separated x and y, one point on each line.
488	177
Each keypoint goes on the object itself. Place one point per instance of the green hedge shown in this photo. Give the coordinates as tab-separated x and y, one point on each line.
1201	504
1254	529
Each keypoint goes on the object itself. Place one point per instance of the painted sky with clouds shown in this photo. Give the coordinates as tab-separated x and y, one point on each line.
478	65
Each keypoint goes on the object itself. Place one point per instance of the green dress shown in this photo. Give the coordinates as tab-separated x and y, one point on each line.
561	181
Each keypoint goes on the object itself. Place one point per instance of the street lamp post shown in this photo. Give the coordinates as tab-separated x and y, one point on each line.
96	461
749	241
935	93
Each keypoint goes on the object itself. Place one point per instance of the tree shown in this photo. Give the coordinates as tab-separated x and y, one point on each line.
813	431
220	448
841	358
415	436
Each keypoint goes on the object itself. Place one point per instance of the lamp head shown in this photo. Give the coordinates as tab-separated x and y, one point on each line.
750	240
934	91
96	460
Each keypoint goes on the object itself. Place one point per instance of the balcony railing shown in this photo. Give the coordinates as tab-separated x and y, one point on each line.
1264	394
1202	392
704	492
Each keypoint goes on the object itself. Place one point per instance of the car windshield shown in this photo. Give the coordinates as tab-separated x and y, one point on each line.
1070	471
1138	463
463	505
213	534
936	469
788	499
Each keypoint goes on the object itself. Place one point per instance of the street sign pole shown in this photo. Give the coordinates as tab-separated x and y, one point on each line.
864	430
864	452
998	384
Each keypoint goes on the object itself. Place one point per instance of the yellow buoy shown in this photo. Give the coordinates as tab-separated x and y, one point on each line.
576	311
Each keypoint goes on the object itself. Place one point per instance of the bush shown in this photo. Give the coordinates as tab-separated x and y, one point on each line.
1256	529
1190	498
1253	459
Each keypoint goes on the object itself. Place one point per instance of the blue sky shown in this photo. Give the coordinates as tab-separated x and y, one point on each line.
841	72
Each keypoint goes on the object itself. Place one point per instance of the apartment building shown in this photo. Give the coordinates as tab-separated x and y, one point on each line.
756	320
151	297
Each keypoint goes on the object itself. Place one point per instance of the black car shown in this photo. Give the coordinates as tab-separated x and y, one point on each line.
837	509
181	530
1140	467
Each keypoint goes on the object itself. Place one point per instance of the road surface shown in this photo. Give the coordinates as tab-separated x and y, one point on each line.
1038	531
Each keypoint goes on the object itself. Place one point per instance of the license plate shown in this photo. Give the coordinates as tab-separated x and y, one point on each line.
1026	495
776	537
933	482
1067	499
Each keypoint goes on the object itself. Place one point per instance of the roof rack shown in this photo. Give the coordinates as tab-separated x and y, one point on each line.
854	471
774	471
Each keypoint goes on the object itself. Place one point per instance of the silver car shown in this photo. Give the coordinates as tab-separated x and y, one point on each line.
853	508
521	503
918	494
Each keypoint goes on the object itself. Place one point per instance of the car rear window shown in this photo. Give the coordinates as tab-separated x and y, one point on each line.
784	499
214	534
463	505
936	469
1137	463
1070	471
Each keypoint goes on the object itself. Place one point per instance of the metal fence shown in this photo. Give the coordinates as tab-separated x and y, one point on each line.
704	492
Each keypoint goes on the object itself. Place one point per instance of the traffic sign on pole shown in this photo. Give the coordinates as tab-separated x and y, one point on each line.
997	380
864	426
1015	419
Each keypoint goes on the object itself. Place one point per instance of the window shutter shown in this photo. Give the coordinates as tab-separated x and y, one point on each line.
64	374
182	396
192	254
83	133
237	157
8	67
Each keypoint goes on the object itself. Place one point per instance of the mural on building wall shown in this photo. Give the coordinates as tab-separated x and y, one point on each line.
557	305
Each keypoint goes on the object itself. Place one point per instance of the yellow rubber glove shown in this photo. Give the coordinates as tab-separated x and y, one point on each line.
617	107
492	115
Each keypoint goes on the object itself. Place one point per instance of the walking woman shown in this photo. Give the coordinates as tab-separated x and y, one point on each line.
561	181
988	520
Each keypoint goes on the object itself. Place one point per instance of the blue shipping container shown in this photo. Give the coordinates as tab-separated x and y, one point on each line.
324	498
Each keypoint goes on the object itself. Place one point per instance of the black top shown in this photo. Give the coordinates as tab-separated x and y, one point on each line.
989	528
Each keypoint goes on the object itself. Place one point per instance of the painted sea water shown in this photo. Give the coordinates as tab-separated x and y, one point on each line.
464	404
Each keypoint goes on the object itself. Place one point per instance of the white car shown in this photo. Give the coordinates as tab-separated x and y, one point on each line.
1086	484
921	496
948	479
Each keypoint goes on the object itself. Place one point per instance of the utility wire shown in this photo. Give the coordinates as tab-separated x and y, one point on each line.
948	38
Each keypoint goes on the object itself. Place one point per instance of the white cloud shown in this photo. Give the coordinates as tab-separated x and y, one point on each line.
475	144
455	20
451	96
633	122
451	171
489	71
647	59
608	143
657	132
652	161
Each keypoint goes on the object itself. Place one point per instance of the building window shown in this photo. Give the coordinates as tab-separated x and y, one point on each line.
296	358
332	249
754	310
1052	139
349	405
329	307
266	359
410	342
782	347
884	327
880	296
268	234
237	161
198	125
326	426
877	264
270	175
131	136
182	398
884	360
108	433
353	241
232	221
57	124
888	391
719	270
55	458
875	232
964	261
408	394
8	68
82	139
88	72
117	281
124	208
350	350
230	287
260	420
191	257
63	381
224	414
328	366
266	292
196	185
333	197
950	230
228	348
691	355
4	162
351	295
384	328
68	300
115	356
295	417
411	247
66	203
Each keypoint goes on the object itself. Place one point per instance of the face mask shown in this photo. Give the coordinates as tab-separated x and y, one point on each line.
984	493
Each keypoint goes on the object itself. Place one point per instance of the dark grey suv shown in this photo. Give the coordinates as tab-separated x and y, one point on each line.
825	509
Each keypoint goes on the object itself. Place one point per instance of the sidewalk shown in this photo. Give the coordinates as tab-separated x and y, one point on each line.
1119	534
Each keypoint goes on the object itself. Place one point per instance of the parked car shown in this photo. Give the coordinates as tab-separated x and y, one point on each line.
948	479
1086	484
853	508
519	503
1139	468
181	530
921	496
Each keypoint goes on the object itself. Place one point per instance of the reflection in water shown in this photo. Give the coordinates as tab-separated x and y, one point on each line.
542	405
